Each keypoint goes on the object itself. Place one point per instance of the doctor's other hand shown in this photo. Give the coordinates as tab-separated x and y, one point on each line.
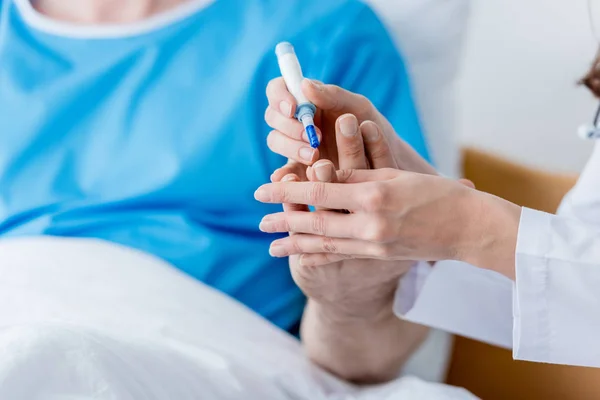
394	215
357	287
348	326
289	139
346	286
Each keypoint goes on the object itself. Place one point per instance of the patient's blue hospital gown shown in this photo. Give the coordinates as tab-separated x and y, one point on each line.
152	136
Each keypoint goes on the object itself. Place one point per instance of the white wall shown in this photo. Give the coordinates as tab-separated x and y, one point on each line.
517	92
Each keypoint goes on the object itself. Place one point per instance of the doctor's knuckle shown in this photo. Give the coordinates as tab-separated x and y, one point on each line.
318	224
379	151
377	231
317	194
374	199
344	175
382	251
353	150
285	225
364	106
335	93
295	244
329	245
281	195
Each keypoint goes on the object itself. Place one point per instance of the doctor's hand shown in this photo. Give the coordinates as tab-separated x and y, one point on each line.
394	215
348	326
289	139
345	286
352	287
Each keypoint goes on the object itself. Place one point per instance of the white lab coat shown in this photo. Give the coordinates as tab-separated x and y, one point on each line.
552	312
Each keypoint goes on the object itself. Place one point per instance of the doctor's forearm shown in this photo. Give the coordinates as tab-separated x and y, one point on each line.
359	349
490	237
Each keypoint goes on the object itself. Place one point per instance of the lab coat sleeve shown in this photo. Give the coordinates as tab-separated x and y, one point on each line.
459	298
557	296
552	313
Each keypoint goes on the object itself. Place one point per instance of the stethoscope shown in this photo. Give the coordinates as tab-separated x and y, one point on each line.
590	131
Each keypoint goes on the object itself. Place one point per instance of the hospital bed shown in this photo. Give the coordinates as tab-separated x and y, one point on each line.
490	372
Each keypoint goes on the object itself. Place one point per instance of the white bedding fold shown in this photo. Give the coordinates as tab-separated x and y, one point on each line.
86	319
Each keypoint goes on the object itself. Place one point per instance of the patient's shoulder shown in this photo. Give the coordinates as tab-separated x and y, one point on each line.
322	25
317	8
325	18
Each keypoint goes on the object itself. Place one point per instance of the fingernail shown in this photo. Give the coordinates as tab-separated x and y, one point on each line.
277	250
316	84
348	126
306	153
285	108
370	132
323	171
261	194
289	178
266	225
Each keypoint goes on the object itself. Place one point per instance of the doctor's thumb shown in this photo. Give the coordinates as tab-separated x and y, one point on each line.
335	99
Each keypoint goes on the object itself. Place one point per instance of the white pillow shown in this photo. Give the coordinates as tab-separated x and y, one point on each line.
430	35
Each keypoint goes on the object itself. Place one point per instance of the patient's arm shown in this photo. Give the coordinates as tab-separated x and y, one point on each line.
348	326
360	339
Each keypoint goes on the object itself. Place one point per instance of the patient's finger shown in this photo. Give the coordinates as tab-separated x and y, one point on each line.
289	126
377	147
280	98
322	171
337	100
293	149
350	147
292	167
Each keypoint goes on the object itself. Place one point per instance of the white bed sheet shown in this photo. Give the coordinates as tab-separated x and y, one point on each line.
85	319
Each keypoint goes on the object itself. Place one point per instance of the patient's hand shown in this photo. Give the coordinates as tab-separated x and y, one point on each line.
347	288
349	327
351	286
289	140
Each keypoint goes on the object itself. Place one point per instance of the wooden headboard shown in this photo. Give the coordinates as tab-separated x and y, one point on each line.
490	372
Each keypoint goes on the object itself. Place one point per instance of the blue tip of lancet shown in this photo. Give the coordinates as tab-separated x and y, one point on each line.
313	139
